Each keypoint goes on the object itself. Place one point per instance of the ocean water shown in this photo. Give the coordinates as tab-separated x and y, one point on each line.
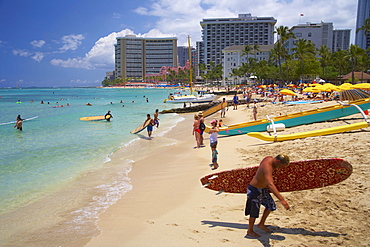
60	171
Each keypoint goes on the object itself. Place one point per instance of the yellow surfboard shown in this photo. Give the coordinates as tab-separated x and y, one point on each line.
93	118
311	133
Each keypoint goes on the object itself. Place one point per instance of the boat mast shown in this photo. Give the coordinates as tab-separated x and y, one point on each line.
191	67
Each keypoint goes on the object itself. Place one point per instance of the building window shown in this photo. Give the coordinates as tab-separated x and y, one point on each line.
309	34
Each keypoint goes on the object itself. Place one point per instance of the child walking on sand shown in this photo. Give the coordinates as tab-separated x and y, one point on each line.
213	141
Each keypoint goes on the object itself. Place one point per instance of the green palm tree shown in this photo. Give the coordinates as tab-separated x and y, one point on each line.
325	57
284	34
365	27
255	49
354	53
340	62
303	49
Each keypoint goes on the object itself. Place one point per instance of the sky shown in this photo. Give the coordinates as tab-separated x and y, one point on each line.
54	43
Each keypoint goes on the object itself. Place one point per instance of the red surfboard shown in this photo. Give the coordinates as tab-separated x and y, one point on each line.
299	175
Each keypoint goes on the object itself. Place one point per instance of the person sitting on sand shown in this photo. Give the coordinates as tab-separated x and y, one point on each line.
258	194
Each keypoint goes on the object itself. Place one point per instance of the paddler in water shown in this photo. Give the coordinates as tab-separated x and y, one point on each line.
19	123
258	194
108	116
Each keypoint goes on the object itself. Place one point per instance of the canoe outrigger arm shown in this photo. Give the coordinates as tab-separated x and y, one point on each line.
358	108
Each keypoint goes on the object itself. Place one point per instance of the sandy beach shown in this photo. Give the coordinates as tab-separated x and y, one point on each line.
168	207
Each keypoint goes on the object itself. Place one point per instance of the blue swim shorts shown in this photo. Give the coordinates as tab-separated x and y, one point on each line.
256	197
150	128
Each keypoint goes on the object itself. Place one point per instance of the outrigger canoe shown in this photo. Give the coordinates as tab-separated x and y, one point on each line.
320	132
298	118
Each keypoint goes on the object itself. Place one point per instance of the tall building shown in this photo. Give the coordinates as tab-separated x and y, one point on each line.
234	58
363	13
135	57
341	39
183	55
321	34
218	33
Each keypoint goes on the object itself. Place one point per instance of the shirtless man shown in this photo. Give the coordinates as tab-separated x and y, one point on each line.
258	194
150	122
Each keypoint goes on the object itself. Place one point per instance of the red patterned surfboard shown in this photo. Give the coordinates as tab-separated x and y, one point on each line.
299	175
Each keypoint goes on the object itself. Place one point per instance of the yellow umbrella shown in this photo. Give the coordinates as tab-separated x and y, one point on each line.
311	90
362	86
346	86
287	92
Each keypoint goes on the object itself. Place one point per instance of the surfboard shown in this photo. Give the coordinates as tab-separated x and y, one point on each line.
16	121
93	118
140	128
299	175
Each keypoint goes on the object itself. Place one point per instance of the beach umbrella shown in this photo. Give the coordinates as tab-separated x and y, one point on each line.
362	86
287	92
346	86
311	90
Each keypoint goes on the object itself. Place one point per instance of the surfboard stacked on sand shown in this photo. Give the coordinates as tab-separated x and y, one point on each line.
299	175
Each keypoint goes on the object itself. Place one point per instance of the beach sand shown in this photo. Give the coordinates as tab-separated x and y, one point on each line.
168	207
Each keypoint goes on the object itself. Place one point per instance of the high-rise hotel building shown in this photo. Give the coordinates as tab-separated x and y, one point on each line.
363	13
135	56
218	33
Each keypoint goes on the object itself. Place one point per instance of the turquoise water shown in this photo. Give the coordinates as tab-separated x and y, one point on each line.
56	149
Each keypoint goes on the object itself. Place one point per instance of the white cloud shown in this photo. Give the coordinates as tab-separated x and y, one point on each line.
116	15
22	53
71	42
38	56
2	80
37	43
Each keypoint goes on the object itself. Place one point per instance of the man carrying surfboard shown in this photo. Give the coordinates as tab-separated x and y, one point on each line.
258	194
149	122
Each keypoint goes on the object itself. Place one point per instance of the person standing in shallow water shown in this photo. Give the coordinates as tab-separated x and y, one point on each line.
258	192
150	123
19	123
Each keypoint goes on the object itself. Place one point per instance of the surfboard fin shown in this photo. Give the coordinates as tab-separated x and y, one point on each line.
213	177
220	192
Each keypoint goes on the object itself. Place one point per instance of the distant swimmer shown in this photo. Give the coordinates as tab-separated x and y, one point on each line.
89	104
19	123
108	116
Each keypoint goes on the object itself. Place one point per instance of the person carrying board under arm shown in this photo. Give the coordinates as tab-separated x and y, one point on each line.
258	194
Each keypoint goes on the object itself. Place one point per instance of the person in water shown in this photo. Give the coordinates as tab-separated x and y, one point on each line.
258	192
156	119
108	116
19	123
150	122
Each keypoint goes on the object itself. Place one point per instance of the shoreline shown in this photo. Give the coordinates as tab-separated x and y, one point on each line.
168	207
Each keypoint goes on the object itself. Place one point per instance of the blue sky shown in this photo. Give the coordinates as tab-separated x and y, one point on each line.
71	42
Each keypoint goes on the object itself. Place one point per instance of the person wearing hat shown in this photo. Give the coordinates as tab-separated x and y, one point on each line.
202	127
258	192
213	142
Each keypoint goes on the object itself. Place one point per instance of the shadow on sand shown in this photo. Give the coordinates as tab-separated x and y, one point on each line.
265	236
